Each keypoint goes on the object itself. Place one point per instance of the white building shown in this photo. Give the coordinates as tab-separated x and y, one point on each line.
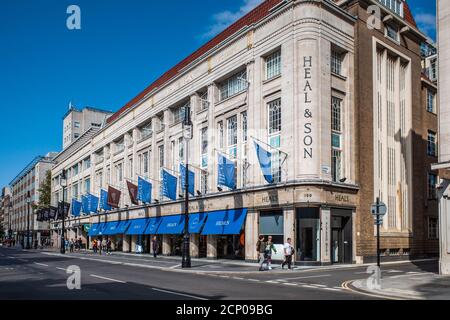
443	20
76	122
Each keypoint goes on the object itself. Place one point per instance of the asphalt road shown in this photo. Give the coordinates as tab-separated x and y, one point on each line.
37	275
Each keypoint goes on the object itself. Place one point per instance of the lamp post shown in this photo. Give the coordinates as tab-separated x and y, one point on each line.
187	133
63	183
27	246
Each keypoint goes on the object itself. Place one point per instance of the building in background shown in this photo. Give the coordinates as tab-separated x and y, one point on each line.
29	180
78	121
5	209
443	23
341	105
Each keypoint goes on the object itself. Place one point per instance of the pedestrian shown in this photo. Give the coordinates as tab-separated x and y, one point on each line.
269	250
80	244
99	245
155	246
94	245
261	249
288	253
108	247
71	245
104	247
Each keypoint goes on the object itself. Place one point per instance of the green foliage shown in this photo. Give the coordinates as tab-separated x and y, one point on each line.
45	191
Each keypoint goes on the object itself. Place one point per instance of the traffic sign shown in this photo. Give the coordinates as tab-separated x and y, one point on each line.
379	209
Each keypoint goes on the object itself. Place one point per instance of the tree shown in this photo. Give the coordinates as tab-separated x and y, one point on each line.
45	191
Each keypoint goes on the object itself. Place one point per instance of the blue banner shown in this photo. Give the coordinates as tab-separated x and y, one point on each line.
104	200
169	185
191	187
265	162
85	205
93	203
76	208
226	171
144	191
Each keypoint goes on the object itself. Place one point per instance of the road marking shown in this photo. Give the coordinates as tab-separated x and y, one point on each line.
309	286
254	280
319	285
272	281
109	279
11	257
238	278
289	284
61	269
179	294
345	285
41	264
175	266
308	277
332	289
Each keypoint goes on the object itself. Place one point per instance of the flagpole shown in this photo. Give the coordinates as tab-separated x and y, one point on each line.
278	149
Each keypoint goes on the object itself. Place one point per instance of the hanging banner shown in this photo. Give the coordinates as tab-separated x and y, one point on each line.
85	205
76	208
144	191
191	187
265	162
169	185
226	172
93	203
133	192
104	200
113	197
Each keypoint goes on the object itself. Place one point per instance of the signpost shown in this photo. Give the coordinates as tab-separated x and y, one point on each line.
379	210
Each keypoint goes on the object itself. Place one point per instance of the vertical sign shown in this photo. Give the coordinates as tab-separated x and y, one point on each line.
308	101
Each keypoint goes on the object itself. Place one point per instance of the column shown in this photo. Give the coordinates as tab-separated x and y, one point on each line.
325	235
126	244
251	235
166	250
133	243
194	245
289	227
211	247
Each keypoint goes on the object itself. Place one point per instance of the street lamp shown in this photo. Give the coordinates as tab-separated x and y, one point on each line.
187	134
63	183
28	220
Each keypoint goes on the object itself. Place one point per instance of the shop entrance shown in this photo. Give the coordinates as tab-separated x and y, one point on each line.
308	235
341	236
229	247
202	246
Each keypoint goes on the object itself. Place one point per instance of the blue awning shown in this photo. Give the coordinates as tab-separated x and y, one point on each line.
123	226
171	225
225	222
111	228
97	229
137	226
153	225
196	222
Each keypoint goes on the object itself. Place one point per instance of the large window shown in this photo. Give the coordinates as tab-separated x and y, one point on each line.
119	172
336	62
275	137
146	131
87	185
433	229
179	113
272	224
86	163
431	101
395	6
432	145
221	133
144	164
308	234
336	139
392	32
232	136
204	148
233	85
273	65
161	156
432	182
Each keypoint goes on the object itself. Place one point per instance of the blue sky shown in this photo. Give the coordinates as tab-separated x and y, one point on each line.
121	48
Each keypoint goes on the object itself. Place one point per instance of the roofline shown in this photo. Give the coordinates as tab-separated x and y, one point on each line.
282	4
29	167
86	108
92	130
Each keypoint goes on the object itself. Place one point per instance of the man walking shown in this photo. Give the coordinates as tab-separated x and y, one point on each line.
261	249
288	253
155	246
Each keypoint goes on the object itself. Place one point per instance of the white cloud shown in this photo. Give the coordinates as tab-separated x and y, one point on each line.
426	22
223	19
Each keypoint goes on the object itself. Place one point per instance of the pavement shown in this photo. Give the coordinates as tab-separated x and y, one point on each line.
36	275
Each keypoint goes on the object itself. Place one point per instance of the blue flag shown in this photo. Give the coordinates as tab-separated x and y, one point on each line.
227	171
144	191
76	208
191	186
85	205
104	200
93	203
265	162
169	185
